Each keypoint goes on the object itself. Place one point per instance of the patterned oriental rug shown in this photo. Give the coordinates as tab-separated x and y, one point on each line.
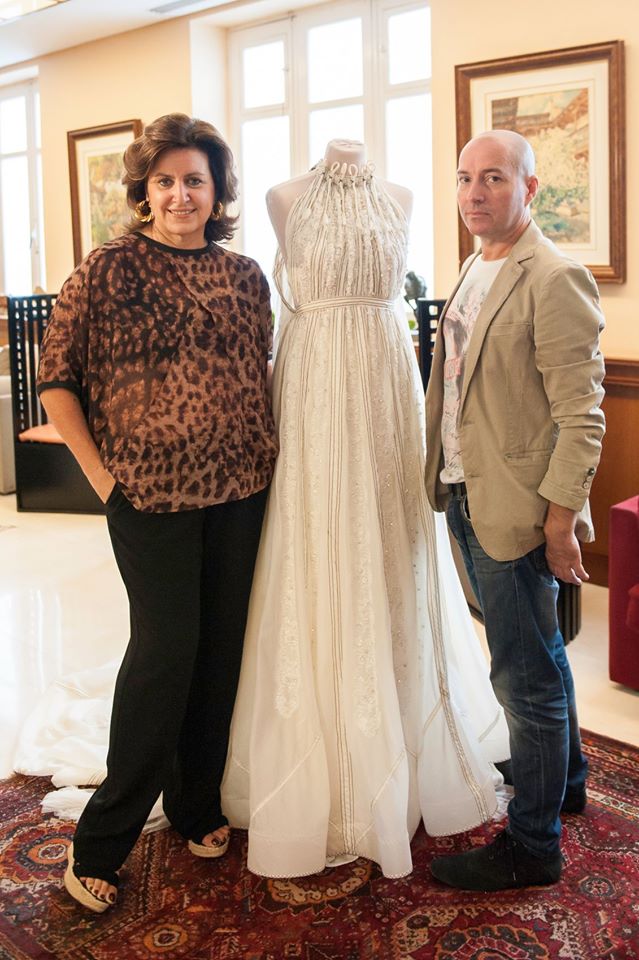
174	906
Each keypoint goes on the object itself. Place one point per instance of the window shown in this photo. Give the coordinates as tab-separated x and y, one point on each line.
21	220
262	141
359	70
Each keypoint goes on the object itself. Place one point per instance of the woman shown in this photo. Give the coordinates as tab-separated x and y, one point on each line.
154	370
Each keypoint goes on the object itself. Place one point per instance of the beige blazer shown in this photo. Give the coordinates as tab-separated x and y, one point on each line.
530	421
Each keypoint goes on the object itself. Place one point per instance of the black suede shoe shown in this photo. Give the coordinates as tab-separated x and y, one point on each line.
574	801
501	865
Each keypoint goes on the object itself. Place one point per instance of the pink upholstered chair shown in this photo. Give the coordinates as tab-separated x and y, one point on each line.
623	587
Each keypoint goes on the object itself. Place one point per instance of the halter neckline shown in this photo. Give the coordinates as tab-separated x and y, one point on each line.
345	172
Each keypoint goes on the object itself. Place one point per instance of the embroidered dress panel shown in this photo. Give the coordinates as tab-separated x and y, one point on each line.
364	701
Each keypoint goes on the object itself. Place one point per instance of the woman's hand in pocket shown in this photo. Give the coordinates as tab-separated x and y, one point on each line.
102	482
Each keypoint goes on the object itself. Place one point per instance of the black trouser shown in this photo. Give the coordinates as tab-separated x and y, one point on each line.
188	576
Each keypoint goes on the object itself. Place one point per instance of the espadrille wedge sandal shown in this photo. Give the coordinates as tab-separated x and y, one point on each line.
216	849
80	892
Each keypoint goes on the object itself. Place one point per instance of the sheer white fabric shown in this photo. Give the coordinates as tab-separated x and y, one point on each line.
66	738
364	700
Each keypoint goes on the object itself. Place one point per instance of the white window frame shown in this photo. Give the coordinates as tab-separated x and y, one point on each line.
292	30
250	37
29	89
387	91
302	108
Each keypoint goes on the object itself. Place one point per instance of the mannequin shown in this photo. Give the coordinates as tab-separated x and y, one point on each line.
344	732
281	198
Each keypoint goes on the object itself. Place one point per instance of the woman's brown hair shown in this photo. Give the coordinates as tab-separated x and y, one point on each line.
175	131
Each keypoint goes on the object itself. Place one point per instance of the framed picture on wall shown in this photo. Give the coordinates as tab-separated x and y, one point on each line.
99	210
570	105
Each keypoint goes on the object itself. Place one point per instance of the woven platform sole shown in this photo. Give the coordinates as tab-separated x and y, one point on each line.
79	892
201	850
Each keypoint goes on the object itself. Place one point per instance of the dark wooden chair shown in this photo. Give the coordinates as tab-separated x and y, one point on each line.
48	478
428	314
569	598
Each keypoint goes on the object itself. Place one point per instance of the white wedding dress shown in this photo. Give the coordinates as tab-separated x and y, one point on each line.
364	700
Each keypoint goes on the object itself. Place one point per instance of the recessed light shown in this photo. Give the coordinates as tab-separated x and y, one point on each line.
173	5
14	9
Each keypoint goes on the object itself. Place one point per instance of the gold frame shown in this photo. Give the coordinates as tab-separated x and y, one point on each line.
78	141
612	54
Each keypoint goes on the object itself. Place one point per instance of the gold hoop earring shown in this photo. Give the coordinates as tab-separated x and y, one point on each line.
144	216
218	211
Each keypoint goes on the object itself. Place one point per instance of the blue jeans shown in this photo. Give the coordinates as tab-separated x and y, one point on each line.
532	681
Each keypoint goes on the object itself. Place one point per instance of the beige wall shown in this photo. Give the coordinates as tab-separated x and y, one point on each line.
140	74
465	32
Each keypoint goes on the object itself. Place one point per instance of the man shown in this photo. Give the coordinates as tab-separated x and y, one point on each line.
514	438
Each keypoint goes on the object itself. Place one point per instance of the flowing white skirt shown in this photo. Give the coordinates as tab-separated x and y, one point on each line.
66	738
364	701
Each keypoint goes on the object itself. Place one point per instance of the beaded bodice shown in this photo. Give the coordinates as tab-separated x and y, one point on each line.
345	237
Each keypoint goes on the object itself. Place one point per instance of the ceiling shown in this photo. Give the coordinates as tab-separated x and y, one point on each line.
80	21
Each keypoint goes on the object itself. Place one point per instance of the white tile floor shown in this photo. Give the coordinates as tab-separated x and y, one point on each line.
63	608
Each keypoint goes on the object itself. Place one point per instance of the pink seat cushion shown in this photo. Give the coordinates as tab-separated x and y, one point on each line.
45	433
623	581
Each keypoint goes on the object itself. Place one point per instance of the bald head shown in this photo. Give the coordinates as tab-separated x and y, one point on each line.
517	150
495	184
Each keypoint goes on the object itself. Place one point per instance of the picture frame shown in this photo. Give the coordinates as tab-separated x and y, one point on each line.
99	210
570	104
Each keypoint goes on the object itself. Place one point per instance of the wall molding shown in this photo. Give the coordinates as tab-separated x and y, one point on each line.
622	377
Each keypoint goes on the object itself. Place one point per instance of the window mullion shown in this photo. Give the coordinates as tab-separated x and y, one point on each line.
3	285
32	160
339	102
261	113
373	105
31	205
408	89
235	63
289	87
299	98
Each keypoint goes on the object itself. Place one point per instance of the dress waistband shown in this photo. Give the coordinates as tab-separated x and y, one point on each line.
344	302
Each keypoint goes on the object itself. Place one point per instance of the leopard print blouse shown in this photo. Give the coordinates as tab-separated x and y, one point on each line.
167	350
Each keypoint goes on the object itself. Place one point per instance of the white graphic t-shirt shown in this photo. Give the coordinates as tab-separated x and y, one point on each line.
457	329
